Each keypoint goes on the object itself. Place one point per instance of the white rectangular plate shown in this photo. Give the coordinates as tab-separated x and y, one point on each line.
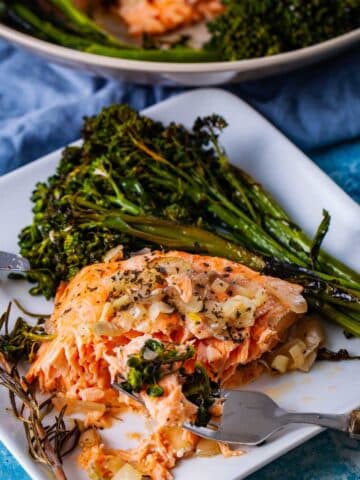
303	189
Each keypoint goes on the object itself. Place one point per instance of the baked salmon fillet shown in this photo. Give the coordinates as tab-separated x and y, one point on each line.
197	313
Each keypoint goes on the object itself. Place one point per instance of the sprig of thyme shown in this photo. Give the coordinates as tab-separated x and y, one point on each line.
48	443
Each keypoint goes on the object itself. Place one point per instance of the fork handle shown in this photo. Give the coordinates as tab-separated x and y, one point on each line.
349	423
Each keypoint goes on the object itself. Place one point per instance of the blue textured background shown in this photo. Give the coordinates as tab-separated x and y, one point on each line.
41	108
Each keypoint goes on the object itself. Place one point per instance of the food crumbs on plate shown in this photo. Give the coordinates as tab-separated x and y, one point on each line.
281	390
134	436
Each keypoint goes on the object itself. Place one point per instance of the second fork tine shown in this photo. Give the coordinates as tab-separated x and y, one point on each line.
201	431
133	396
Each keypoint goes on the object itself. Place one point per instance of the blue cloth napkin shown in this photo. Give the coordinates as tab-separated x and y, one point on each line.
42	105
41	109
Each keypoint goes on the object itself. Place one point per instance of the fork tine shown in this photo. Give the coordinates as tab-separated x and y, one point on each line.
201	431
133	396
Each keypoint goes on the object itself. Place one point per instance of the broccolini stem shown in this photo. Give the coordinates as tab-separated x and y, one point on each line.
338	297
169	234
173	235
224	210
239	188
345	321
334	267
120	199
279	225
296	240
262	201
233	181
176	55
253	234
47	30
317	281
353	315
82	21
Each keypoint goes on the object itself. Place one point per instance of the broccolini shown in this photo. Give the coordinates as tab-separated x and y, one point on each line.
256	28
139	183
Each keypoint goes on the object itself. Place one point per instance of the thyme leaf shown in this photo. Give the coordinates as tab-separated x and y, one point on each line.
23	341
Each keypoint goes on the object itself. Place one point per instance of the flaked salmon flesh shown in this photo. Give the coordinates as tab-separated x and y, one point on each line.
228	313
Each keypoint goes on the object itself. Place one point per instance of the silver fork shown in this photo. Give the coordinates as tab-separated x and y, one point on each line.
250	418
9	262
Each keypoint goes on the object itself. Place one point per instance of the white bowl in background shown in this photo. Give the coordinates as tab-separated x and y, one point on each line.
187	74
